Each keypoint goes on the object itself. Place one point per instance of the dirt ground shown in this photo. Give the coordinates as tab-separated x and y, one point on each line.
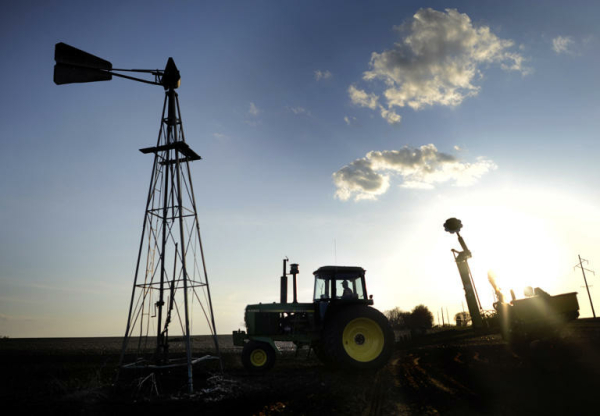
470	375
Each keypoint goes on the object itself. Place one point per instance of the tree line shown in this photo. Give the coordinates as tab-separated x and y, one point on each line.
420	318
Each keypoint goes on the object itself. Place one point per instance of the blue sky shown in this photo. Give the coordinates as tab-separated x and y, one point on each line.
331	132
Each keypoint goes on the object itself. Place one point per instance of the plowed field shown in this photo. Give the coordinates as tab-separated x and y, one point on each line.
477	375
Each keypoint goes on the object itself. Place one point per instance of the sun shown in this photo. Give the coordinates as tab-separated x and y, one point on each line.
525	237
521	251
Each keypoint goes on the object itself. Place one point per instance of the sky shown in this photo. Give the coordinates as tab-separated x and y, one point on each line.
339	132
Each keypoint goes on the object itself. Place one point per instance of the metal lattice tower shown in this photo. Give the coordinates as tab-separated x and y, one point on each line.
170	267
170	275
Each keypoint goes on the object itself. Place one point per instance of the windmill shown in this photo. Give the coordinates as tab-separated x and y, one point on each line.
170	271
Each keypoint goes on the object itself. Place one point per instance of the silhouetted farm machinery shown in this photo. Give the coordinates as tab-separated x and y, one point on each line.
538	315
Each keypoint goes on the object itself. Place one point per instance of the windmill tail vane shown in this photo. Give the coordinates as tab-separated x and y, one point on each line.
76	66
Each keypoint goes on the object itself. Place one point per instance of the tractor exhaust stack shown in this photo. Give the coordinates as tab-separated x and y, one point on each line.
294	271
284	282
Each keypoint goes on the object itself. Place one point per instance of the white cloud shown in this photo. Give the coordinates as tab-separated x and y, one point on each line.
350	120
436	61
361	98
390	116
319	75
364	99
515	63
360	180
253	110
299	110
419	168
562	44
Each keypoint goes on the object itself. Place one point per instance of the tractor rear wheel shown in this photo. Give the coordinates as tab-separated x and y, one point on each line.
358	338
258	356
321	354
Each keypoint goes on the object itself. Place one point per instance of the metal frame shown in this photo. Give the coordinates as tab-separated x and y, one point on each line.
454	225
170	242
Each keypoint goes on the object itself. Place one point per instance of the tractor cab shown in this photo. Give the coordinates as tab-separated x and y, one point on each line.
341	284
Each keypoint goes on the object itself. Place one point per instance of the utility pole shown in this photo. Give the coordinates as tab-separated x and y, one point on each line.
583	270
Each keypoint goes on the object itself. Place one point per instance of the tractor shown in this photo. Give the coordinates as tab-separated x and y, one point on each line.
339	325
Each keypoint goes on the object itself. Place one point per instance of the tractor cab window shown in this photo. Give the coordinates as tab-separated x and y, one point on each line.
348	287
351	288
322	288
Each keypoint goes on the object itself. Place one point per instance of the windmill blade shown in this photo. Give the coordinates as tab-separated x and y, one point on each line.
66	74
76	66
68	55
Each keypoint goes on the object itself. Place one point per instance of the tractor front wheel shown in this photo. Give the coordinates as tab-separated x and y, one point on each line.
258	356
359	338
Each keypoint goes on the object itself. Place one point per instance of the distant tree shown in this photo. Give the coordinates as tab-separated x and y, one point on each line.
421	317
393	316
397	317
406	319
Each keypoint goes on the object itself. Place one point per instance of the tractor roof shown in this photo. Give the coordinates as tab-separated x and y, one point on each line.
339	270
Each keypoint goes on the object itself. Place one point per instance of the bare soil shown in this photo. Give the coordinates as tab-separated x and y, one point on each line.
452	375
